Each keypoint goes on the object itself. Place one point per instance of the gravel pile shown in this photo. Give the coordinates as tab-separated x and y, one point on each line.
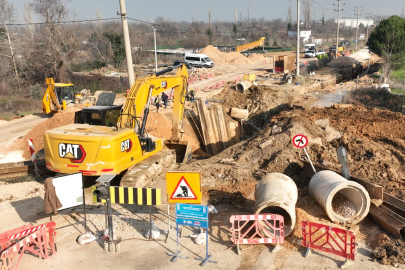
341	205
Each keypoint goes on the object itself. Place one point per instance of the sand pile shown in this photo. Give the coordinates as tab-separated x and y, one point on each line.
257	57
61	118
222	58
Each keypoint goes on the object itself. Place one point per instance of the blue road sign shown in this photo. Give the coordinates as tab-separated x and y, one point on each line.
195	216
192	215
192	222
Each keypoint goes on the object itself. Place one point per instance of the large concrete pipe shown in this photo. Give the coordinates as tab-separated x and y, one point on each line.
342	200
243	85
277	193
238	113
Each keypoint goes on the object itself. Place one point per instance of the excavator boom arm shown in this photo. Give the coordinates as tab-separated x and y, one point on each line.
144	88
251	45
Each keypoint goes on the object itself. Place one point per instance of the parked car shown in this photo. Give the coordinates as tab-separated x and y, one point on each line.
198	60
332	48
310	54
320	52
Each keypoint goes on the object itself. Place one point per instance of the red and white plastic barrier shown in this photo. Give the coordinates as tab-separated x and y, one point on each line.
257	229
32	150
328	239
38	240
214	87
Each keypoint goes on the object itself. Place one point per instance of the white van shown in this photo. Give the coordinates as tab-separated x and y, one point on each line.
198	60
309	47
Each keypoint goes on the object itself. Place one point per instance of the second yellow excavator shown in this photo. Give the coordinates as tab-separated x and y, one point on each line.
112	139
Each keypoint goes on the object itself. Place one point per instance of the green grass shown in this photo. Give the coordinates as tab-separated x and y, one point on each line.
398	91
398	75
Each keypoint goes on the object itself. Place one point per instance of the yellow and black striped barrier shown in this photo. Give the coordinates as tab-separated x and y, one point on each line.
131	195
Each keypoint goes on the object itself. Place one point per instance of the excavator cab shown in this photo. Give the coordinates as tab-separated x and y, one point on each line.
65	92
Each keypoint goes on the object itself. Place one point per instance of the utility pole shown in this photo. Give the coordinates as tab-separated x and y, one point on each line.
248	9
337	31
357	27
297	70
154	37
209	17
127	43
236	16
369	16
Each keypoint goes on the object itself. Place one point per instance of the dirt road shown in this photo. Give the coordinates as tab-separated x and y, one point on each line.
12	130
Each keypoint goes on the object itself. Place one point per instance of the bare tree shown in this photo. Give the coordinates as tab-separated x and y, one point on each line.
289	15
60	39
307	10
29	19
7	16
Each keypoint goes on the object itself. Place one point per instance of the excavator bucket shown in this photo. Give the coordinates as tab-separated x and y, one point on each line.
182	149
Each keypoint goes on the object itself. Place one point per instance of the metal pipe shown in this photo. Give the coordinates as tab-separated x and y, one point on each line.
277	193
130	67
323	187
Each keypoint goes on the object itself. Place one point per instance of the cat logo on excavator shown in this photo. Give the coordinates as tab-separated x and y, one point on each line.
74	152
126	146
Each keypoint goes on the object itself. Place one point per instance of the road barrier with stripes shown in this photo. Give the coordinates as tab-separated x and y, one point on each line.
257	229
131	195
38	240
328	239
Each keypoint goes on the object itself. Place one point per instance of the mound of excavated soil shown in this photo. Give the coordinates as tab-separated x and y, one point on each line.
374	140
60	119
255	57
160	126
222	58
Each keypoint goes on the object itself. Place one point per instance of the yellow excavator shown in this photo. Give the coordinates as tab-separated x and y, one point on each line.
251	45
57	96
111	139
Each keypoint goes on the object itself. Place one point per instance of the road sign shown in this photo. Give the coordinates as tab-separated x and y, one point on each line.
300	141
184	187
196	216
192	215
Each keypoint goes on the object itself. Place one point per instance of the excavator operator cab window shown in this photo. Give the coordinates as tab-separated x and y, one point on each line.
93	119
65	93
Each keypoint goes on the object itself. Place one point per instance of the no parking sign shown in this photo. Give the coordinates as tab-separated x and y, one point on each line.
300	141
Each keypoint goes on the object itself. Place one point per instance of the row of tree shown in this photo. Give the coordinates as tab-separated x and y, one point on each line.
52	47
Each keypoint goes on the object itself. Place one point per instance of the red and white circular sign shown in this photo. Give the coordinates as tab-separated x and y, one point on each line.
300	141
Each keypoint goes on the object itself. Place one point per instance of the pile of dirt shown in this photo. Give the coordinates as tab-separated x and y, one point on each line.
160	125
222	58
60	119
388	251
374	140
342	62
257	57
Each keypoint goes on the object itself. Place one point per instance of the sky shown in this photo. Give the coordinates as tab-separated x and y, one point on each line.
221	10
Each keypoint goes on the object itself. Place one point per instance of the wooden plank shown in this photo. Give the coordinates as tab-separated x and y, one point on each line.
214	130
223	127
204	129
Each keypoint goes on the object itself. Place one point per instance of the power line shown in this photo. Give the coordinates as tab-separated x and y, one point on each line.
64	22
322	6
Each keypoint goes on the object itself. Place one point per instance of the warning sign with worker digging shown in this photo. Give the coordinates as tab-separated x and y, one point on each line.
184	187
